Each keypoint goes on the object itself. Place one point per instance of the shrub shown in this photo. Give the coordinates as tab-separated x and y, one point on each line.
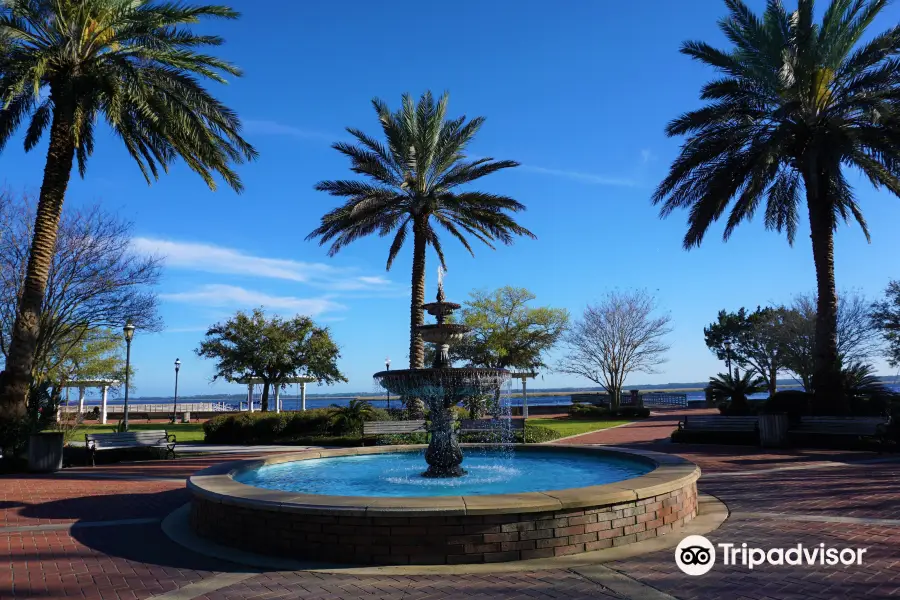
402	438
794	403
588	411
535	434
632	412
250	428
735	409
380	414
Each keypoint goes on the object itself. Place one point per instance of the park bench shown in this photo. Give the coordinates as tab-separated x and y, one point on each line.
95	442
874	427
376	428
718	423
474	425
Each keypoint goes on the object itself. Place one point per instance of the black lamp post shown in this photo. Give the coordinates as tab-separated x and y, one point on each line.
728	355
175	402
128	330
387	366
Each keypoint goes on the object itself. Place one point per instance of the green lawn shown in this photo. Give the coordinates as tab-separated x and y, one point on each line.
567	427
184	432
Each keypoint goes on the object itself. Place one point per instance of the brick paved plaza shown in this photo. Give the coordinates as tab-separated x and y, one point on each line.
95	534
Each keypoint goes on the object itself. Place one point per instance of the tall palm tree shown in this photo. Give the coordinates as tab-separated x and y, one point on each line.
138	65
795	105
412	186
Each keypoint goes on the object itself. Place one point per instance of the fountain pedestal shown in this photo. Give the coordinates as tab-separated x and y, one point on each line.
443	455
442	387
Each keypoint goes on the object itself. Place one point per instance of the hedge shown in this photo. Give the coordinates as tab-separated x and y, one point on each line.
314	427
267	427
589	411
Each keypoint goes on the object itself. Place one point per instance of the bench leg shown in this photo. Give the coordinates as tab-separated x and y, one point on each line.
91	456
170	451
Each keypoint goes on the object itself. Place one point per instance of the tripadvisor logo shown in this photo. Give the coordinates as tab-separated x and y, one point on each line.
696	555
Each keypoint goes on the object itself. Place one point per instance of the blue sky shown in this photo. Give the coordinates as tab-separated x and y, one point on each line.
579	94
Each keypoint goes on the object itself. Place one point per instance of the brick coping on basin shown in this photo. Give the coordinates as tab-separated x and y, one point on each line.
442	529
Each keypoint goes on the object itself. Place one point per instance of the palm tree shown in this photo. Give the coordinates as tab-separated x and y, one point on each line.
351	417
136	64
796	104
737	388
412	186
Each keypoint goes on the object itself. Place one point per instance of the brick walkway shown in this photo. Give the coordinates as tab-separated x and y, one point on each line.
90	535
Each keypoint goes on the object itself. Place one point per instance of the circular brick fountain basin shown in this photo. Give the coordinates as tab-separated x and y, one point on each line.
442	529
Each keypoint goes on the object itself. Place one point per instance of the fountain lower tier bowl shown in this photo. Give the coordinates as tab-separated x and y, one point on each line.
369	506
451	384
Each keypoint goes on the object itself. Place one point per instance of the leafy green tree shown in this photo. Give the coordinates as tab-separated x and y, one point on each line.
253	346
507	333
737	388
795	105
412	186
351	417
754	342
135	64
886	318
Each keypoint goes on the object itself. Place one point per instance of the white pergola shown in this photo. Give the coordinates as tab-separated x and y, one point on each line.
83	384
524	376
302	380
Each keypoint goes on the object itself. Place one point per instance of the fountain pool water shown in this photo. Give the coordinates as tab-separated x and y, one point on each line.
488	472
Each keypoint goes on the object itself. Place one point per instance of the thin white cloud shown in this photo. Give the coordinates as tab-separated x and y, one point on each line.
209	258
264	127
591	178
219	295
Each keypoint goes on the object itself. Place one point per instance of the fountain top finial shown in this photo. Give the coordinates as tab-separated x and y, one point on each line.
440	290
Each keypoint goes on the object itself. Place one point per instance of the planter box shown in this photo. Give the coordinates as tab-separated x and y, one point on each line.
45	452
773	431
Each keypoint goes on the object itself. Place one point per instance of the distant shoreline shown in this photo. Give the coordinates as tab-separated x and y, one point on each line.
290	394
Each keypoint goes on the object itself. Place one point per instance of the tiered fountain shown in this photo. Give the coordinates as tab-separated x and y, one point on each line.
343	505
442	387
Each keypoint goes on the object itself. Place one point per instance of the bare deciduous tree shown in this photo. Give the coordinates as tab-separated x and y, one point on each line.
857	336
96	280
617	336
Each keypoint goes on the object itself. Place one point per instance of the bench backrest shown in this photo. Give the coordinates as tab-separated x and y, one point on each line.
490	424
385	427
131	439
843	424
721	423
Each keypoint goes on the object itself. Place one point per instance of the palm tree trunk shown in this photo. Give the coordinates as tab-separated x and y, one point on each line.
416	312
826	380
23	343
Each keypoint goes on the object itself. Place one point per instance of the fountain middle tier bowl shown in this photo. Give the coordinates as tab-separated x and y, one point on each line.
443	333
442	383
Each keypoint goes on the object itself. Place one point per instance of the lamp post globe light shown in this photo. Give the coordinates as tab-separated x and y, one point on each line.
387	367
128	330
175	402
